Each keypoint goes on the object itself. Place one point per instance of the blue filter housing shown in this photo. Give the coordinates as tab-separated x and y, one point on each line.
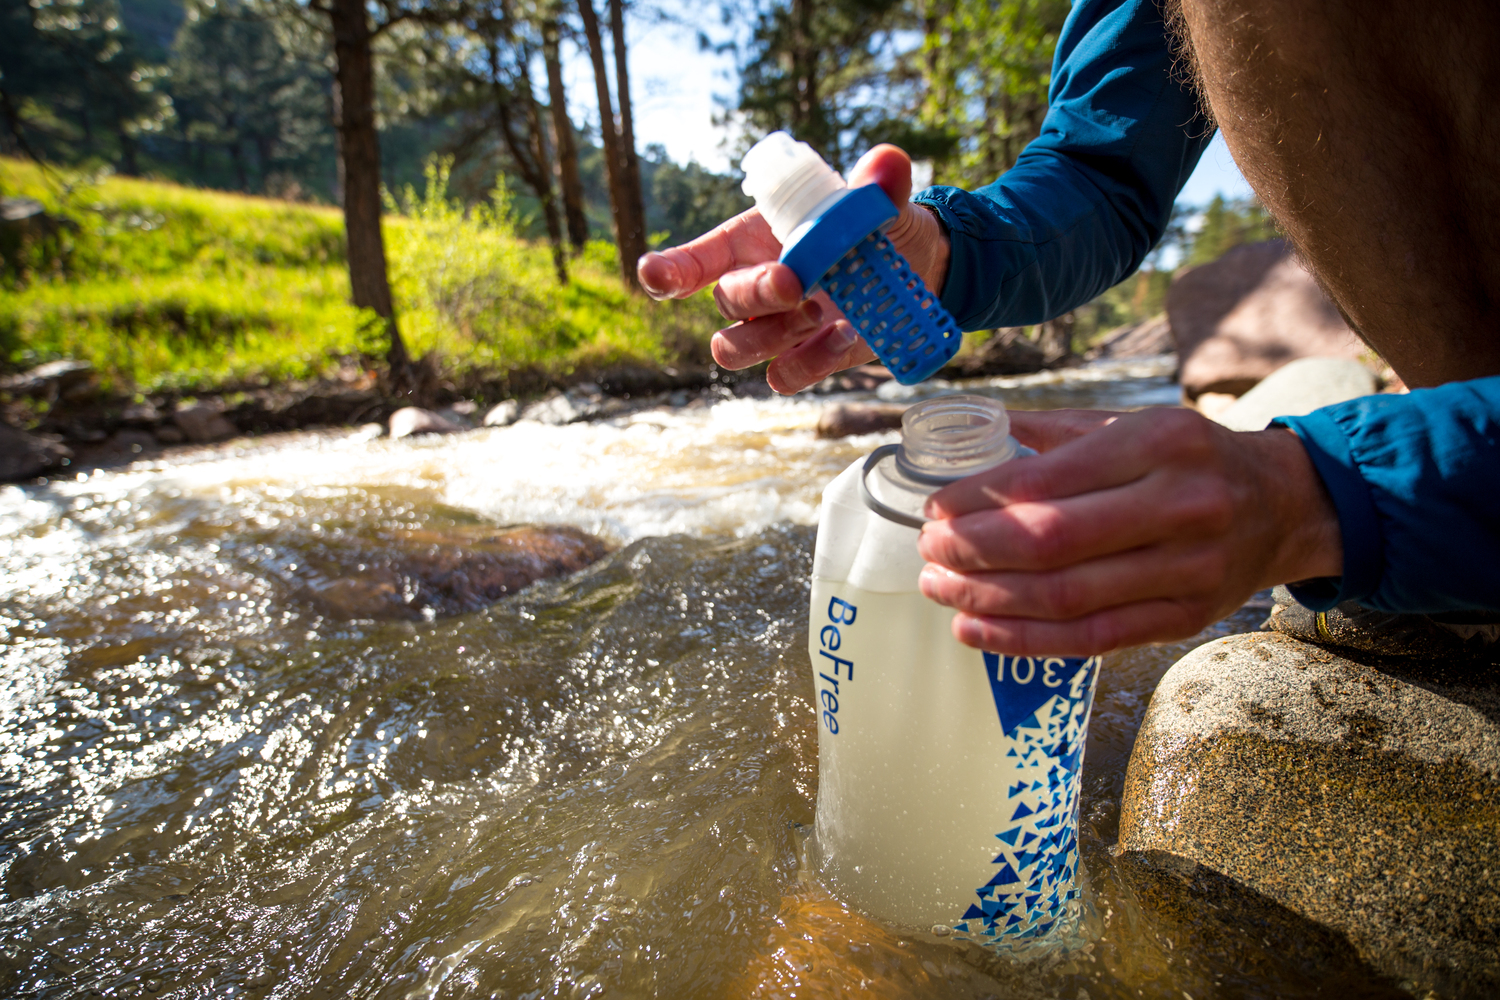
846	251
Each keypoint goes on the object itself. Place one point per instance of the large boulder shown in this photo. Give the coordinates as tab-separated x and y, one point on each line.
1254	309
1361	795
1297	389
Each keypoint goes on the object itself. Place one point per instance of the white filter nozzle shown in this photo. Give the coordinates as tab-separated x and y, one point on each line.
789	181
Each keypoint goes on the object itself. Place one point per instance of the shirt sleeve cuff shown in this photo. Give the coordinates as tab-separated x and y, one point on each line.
1359	525
963	256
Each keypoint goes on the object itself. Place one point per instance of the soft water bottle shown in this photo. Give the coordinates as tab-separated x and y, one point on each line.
947	778
832	235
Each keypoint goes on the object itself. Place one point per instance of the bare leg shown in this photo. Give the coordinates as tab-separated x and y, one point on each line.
1371	130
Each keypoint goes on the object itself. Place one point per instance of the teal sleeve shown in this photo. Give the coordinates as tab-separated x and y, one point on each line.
1415	480
1092	195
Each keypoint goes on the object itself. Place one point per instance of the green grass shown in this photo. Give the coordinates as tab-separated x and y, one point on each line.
166	287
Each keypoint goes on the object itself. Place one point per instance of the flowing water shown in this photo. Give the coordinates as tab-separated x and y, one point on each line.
598	786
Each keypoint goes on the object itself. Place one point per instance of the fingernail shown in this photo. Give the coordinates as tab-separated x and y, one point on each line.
840	338
653	290
812	312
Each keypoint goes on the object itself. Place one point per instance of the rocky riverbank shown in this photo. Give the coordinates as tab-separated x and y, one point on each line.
58	415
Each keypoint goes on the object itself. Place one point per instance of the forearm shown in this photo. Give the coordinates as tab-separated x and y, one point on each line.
1089	198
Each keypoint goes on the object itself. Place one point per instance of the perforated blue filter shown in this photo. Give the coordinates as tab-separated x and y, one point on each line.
904	323
845	251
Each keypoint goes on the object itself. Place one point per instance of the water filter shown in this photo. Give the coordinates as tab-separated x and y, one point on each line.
948	777
831	235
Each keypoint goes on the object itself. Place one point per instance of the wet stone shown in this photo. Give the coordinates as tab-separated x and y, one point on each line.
202	423
413	420
24	455
845	419
1362	793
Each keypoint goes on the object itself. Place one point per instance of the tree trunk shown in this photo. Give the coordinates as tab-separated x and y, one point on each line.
611	139
528	150
630	163
563	141
359	160
1055	338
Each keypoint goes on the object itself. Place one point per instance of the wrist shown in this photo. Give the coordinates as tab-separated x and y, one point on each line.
1305	523
923	239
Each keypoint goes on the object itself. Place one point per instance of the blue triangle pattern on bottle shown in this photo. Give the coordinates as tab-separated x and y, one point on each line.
1016	703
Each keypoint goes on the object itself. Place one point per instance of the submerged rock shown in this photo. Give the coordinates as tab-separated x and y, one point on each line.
844	419
416	572
23	455
1254	309
1363	796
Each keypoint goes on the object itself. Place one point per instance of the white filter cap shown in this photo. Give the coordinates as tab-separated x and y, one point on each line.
789	181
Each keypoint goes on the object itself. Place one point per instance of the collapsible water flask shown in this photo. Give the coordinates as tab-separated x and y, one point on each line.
948	778
832	235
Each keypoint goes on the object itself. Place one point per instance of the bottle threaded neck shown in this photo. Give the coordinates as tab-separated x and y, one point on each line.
951	437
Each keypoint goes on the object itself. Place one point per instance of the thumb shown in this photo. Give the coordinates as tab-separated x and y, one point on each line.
1047	429
887	166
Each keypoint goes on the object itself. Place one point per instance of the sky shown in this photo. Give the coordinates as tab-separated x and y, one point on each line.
678	89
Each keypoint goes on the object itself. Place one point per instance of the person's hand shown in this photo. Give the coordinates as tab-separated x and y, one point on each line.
808	340
1128	528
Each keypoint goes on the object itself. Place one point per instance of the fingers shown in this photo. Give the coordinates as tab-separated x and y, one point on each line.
1050	534
762	290
1151	572
1126	625
680	271
1046	429
1120	451
887	166
831	349
754	340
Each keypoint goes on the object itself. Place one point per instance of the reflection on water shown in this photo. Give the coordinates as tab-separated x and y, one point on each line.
593	788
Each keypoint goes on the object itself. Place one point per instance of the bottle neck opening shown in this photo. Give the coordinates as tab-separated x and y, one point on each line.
952	437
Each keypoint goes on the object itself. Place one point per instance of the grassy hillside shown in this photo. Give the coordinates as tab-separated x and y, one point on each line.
161	286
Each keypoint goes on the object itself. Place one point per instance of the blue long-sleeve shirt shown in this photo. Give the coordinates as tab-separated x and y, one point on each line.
1415	478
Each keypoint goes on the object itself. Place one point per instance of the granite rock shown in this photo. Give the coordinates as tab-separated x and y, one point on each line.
1241	317
1465	638
1362	795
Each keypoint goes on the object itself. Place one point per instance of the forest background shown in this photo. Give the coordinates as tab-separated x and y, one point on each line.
423	204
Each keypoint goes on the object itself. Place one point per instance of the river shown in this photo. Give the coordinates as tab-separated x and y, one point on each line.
595	787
